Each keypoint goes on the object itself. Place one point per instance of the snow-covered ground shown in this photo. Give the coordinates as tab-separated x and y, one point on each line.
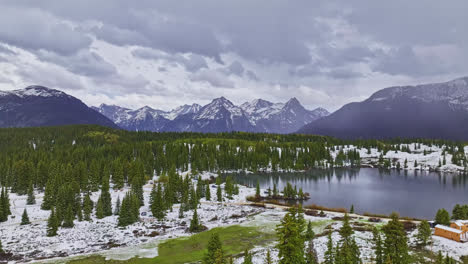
31	242
430	161
141	239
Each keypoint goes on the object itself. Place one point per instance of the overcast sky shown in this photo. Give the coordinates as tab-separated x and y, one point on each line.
167	53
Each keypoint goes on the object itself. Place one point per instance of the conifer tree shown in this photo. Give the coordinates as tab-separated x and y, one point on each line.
442	217
257	190
311	254
214	248
347	250
117	206
208	192
378	247
424	232
129	210
100	209
69	217
268	259
181	211
1	247
351	210
330	253
25	218
290	238
195	223
52	224
157	207
310	234
395	243
247	257
31	198
87	207
219	194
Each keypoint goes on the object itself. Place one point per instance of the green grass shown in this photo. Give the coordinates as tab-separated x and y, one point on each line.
235	240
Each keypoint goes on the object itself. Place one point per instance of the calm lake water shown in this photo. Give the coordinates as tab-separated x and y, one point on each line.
414	194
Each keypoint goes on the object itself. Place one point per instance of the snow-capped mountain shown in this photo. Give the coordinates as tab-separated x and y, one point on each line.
145	118
218	116
279	117
438	110
41	106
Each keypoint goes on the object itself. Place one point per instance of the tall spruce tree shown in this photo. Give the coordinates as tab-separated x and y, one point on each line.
117	206
157	205
424	233
214	248
395	243
378	247
25	218
330	252
52	224
68	218
31	198
290	237
347	250
87	207
247	257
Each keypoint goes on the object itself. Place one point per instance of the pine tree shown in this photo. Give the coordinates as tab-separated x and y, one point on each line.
290	238
442	217
208	192
330	253
157	207
247	257
117	206
69	217
424	233
25	218
87	207
268	259
311	255
31	198
378	248
347	251
214	248
195	225
181	211
395	243
1	248
310	234
351	210
52	224
257	190
100	209
129	210
219	194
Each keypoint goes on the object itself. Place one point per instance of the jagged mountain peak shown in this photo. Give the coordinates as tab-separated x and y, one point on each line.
41	106
35	91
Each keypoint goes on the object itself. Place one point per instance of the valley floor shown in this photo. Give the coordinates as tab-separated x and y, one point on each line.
103	237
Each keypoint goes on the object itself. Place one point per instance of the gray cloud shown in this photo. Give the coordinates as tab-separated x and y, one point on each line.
343	49
213	77
191	62
34	29
83	62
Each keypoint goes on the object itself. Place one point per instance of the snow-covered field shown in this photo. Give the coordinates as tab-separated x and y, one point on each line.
31	242
141	239
430	161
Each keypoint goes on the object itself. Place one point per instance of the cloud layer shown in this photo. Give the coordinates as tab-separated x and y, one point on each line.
166	53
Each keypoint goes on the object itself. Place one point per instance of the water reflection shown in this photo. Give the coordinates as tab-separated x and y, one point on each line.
411	193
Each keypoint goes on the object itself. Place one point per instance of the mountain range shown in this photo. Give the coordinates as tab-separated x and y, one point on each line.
41	106
220	115
438	110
